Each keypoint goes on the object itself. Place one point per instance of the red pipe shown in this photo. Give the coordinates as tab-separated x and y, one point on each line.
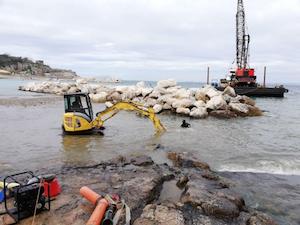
98	213
90	195
100	203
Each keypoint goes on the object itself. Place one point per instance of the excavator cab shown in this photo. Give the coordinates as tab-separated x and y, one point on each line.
78	115
79	103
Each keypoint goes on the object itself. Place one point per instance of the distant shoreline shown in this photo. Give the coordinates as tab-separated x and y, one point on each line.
22	77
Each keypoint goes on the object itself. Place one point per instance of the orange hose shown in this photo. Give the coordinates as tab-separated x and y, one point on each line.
98	213
90	195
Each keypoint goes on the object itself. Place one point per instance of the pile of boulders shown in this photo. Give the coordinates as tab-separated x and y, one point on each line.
166	95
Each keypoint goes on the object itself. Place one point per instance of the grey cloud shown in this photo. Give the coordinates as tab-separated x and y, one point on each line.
152	39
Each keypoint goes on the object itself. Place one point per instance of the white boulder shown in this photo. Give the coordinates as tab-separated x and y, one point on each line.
151	102
73	90
57	90
138	91
212	92
229	91
247	100
100	88
181	110
155	94
146	91
108	104
199	95
165	98
200	112
99	97
115	96
138	100
234	99
199	104
182	103
129	94
171	90
161	91
81	81
216	102
227	98
157	108
64	88
121	89
85	88
209	91
239	107
166	106
166	83
182	93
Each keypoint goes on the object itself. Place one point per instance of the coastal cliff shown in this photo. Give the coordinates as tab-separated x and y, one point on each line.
11	65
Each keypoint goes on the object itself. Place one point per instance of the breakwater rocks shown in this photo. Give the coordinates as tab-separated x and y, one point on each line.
166	95
187	192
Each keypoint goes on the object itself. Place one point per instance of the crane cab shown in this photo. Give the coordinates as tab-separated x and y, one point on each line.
245	77
78	116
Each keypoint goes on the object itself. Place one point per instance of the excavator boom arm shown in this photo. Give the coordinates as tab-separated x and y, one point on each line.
129	106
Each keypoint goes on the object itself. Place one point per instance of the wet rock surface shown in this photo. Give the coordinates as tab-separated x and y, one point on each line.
202	196
160	214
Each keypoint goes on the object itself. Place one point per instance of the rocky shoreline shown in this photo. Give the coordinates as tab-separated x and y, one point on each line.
201	196
165	96
28	69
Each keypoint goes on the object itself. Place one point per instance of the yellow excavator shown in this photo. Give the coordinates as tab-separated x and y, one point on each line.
78	117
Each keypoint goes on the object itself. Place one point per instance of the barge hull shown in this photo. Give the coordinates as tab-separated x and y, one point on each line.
277	92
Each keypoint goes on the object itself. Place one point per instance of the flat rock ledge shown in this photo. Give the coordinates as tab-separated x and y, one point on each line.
198	103
204	196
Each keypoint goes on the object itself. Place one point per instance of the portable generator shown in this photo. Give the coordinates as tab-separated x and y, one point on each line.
26	199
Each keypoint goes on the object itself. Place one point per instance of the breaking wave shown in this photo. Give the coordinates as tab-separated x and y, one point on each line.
281	167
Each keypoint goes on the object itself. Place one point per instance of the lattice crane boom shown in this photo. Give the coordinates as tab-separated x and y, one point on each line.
242	39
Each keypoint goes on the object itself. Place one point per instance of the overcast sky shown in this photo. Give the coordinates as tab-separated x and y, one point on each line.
152	39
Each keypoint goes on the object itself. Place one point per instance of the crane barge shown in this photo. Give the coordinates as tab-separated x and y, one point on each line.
243	78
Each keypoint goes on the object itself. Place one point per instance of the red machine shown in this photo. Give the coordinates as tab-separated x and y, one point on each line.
243	75
244	72
54	188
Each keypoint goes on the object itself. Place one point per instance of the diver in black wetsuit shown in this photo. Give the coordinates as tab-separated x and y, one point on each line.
185	124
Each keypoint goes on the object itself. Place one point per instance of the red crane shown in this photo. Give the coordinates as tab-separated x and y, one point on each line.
243	78
243	75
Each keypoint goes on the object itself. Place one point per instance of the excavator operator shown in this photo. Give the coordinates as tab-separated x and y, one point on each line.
77	103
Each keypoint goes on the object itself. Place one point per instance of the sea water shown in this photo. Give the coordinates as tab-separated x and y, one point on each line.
31	138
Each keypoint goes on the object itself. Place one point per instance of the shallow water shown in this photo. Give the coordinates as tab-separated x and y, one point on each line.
277	195
31	136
